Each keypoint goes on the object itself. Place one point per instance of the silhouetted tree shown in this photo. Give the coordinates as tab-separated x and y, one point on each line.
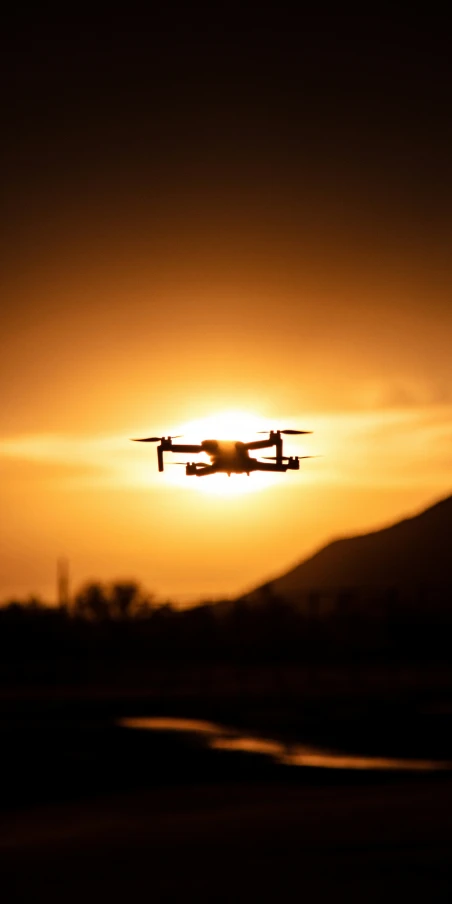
92	602
125	598
122	596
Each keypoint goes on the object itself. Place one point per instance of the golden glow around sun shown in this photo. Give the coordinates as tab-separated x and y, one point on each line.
228	425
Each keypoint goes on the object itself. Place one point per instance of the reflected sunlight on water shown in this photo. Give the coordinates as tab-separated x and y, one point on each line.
164	724
218	737
329	759
248	745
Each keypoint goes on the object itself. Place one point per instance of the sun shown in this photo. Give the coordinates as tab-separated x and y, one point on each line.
228	425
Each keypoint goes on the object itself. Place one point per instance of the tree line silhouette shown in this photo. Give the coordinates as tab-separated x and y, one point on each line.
109	627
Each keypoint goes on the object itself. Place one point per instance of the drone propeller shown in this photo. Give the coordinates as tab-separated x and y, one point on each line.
288	432
286	457
155	439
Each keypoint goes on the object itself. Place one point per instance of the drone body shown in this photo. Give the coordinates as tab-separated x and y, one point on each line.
229	457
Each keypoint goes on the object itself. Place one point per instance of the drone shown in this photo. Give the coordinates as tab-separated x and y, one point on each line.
230	457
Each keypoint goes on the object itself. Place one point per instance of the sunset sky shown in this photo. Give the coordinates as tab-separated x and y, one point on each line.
207	224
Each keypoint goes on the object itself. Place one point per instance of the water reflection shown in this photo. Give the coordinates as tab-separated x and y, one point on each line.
249	745
329	759
218	737
196	726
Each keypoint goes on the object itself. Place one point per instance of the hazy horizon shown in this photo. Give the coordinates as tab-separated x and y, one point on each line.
47	590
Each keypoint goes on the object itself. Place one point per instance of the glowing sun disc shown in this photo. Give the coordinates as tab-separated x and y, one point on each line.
228	425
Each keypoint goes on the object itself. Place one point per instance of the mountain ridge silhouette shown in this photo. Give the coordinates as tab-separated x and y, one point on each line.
414	551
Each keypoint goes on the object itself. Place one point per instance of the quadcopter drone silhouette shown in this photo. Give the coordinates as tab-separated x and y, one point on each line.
230	457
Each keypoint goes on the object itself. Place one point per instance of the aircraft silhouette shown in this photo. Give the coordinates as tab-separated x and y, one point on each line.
230	457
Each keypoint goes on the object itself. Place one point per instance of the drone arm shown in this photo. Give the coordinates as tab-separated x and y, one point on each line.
183	447
288	465
261	444
168	446
202	471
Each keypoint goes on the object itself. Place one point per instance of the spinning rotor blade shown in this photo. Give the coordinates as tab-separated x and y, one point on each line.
286	457
147	439
306	456
155	439
287	432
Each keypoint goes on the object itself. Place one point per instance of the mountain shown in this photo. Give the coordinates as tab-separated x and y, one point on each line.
415	552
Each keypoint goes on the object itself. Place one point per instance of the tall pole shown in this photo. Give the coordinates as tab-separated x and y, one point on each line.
63	582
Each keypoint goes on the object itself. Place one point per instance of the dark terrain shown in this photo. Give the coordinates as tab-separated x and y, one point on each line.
413	555
235	842
357	662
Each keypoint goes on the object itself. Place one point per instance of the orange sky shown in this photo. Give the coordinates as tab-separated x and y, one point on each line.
276	247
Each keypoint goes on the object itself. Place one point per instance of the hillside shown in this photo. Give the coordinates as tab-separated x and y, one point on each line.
413	552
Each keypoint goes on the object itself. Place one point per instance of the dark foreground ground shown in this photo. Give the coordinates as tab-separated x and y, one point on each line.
236	842
92	812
